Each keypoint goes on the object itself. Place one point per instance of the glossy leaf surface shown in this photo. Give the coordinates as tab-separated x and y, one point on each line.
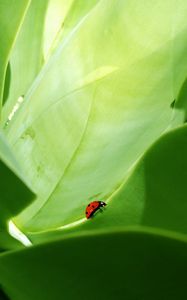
110	85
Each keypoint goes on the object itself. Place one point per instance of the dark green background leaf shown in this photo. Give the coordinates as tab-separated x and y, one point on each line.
119	265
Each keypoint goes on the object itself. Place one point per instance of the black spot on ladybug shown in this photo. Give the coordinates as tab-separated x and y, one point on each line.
92	206
88	204
86	212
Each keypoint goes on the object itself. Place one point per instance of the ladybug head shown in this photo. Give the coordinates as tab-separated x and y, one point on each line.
102	204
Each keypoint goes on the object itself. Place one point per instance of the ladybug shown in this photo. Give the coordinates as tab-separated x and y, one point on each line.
93	207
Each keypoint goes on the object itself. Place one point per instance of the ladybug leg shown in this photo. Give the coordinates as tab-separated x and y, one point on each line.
102	207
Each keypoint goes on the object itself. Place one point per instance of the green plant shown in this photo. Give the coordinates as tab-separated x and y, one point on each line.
93	107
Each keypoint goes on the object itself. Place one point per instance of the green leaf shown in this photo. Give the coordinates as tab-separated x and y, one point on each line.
27	56
37	42
14	193
99	90
100	101
8	32
8	242
3	296
120	265
7	84
61	18
154	194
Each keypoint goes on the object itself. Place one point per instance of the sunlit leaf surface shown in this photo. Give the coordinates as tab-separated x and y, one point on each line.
103	97
8	32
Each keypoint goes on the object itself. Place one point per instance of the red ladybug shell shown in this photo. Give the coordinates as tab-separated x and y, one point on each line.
93	207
